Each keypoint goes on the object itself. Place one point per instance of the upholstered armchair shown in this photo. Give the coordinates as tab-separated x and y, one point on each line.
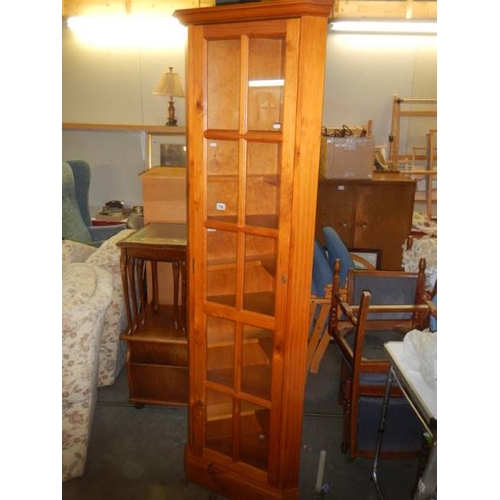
76	219
86	295
107	256
337	249
415	249
93	317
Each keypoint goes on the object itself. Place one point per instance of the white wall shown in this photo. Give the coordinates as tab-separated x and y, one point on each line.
363	72
116	160
109	85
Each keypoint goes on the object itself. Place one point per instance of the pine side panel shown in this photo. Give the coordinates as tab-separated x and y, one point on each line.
196	211
307	148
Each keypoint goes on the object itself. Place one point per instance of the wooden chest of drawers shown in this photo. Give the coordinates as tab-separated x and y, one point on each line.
368	214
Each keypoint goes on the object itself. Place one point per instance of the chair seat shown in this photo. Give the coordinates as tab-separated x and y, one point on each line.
373	345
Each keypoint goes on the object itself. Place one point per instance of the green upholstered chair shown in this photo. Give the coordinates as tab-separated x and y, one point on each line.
76	220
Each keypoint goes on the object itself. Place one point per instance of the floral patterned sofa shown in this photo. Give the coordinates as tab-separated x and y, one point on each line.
93	316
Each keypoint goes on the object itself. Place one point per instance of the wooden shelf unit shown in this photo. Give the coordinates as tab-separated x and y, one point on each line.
123	127
157	344
418	157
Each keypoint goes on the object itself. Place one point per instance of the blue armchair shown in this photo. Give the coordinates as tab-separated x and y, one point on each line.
76	220
321	285
338	250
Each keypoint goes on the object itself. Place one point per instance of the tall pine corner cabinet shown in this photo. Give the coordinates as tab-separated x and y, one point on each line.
255	90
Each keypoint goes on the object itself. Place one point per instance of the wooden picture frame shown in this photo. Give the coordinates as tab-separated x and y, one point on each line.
371	255
166	150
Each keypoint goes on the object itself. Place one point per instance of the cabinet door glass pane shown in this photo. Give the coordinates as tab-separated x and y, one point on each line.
262	184
221	266
254	435
219	419
265	83
257	361
222	180
259	277
223	84
220	351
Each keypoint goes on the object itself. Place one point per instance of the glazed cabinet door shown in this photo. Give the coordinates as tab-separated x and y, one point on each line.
240	185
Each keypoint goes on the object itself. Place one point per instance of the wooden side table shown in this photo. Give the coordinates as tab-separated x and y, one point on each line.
156	361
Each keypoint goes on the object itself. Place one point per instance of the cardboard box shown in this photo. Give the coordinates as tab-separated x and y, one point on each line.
347	157
164	194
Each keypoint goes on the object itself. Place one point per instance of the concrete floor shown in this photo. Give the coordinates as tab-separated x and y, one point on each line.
138	454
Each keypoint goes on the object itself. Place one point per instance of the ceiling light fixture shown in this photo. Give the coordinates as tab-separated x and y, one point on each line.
386	27
129	30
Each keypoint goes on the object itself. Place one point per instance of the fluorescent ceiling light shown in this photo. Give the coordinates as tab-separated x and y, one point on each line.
375	26
129	30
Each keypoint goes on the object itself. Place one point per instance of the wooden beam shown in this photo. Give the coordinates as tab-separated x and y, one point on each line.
341	9
379	9
115	7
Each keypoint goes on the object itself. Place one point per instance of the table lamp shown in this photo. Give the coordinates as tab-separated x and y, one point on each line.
170	85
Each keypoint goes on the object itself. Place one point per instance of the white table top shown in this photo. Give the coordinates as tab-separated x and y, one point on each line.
424	397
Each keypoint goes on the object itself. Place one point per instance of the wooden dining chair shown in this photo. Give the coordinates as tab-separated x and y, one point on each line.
381	306
322	291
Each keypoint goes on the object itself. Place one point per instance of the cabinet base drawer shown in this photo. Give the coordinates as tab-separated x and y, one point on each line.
232	483
158	384
155	353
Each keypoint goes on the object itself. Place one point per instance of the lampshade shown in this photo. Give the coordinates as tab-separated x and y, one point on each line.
169	84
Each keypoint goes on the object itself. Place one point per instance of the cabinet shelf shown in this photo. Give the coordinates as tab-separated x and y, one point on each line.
159	327
256	379
220	407
269	221
224	411
260	302
268	262
221	339
265	221
272	179
254	434
273	136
